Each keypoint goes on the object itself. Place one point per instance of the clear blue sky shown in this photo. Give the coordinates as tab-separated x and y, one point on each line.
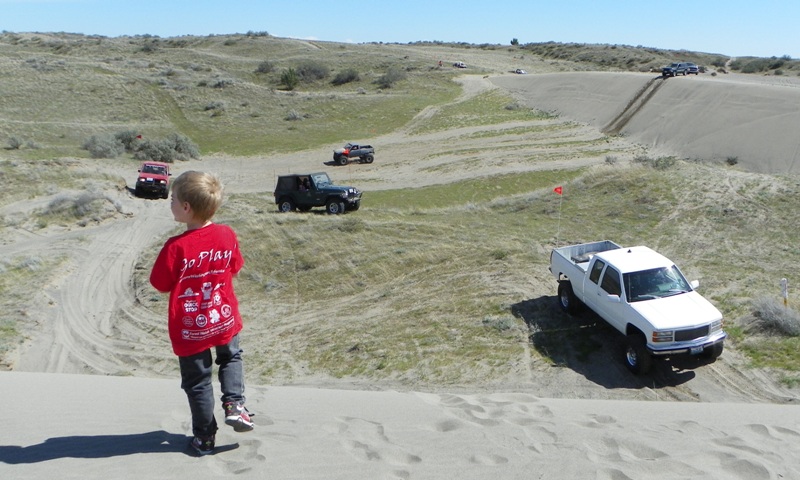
732	27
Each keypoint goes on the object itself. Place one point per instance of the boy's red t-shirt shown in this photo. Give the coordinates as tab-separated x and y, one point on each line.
197	269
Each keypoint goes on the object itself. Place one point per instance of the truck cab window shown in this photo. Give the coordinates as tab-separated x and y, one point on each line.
611	283
594	276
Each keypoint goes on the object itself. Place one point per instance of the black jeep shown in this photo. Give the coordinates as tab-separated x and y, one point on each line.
304	191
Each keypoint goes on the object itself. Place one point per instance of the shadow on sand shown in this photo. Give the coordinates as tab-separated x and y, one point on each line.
101	446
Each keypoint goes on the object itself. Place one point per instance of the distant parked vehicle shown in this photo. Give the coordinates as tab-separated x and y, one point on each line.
674	69
520	71
460	65
692	69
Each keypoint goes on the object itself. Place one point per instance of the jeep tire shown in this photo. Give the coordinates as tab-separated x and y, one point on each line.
334	207
286	205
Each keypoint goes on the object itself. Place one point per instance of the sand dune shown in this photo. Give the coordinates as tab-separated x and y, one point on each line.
752	119
113	427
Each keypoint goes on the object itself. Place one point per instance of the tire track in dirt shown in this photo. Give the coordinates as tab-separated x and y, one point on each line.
78	335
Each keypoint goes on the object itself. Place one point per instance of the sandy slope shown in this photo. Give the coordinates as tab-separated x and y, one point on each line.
712	118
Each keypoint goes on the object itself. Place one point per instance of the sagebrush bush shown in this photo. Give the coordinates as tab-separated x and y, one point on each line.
14	143
311	70
103	146
265	67
183	146
772	317
155	150
392	76
346	76
128	139
293	115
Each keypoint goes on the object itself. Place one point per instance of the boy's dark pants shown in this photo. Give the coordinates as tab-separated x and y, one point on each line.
196	375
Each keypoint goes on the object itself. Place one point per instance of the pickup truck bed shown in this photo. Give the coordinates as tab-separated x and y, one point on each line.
580	255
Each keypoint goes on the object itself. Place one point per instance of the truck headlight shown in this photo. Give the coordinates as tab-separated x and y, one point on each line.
716	326
663	336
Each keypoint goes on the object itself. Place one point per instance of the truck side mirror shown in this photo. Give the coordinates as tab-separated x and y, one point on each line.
613	298
695	284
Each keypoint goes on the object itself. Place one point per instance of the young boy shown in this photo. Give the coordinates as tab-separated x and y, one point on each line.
197	269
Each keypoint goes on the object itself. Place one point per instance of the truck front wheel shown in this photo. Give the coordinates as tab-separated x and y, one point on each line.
342	160
637	358
566	297
713	352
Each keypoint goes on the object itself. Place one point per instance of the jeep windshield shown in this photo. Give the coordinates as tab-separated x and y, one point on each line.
655	283
321	179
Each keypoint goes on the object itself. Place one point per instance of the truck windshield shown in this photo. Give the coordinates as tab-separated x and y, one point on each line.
655	283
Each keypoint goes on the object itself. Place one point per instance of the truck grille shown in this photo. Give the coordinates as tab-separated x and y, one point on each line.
686	335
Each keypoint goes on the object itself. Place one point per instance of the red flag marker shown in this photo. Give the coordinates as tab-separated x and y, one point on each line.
558	190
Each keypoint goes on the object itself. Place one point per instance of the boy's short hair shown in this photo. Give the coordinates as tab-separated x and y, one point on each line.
203	192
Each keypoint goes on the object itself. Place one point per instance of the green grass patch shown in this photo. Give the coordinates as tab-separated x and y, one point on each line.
488	108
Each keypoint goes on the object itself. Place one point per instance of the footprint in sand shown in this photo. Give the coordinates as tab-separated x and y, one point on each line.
367	441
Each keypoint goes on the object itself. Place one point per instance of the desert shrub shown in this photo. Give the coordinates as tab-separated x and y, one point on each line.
103	146
289	78
174	147
93	205
346	76
611	159
128	139
217	105
14	143
392	76
660	163
265	67
184	148
772	317
310	70
222	83
732	161
156	150
293	115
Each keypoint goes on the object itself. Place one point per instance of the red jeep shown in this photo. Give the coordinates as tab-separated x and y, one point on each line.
153	180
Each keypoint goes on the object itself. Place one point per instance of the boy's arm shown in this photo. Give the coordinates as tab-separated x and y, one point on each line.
161	277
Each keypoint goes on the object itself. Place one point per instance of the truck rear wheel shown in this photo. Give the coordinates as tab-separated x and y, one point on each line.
368	158
637	358
566	297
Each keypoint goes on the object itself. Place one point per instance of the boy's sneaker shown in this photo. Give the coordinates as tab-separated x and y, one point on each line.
203	444
238	417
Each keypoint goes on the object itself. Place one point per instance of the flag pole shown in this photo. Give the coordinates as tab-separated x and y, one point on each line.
560	191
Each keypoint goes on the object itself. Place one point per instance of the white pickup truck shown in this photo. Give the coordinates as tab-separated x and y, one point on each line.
642	294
